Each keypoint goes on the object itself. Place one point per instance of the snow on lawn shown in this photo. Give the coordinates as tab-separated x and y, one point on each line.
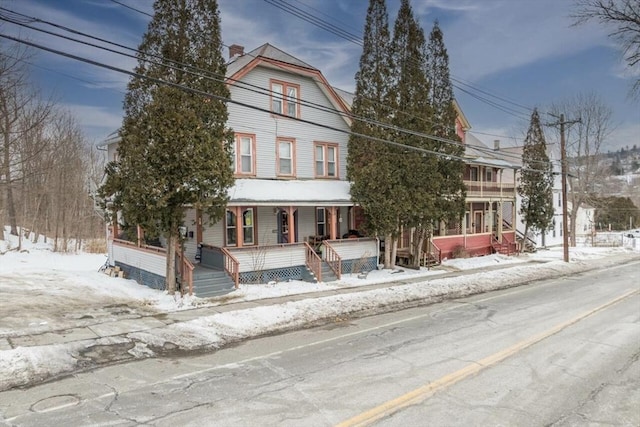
44	292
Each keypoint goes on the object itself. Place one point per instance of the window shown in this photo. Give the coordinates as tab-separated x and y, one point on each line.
245	230
489	175
326	158
286	156
285	98
248	233
473	174
245	154
321	222
231	228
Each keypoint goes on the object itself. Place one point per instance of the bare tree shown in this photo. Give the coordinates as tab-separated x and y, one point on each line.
624	18
21	110
585	140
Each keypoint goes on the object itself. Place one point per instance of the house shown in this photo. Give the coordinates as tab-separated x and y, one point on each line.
488	225
290	214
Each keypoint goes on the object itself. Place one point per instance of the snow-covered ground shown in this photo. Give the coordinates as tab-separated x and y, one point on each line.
56	309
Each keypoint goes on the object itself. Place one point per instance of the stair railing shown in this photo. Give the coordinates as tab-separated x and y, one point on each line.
231	266
333	259
435	251
185	270
313	261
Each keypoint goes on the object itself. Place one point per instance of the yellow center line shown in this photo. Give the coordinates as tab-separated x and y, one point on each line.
422	393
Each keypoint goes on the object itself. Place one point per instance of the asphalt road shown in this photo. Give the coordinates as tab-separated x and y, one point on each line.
561	352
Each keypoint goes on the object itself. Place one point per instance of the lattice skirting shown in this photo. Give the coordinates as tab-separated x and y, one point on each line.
141	276
359	265
274	275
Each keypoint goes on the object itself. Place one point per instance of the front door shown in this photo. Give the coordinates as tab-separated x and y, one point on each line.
478	221
283	225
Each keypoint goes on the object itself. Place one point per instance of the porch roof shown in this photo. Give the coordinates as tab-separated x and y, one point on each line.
271	192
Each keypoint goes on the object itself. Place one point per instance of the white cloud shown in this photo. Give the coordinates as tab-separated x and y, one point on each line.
97	121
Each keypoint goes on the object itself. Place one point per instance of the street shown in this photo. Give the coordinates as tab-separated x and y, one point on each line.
559	352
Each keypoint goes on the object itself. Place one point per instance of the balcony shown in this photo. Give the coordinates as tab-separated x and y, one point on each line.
490	189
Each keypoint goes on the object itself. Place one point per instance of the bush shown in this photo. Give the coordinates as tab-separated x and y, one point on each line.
95	246
459	252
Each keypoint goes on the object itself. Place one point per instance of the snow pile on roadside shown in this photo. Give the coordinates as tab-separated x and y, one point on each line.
78	274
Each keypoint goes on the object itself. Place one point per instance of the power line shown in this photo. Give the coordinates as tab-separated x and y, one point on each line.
337	31
263	91
209	75
221	98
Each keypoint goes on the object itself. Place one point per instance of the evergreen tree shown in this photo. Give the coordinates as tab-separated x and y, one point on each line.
451	193
417	169
175	148
369	166
536	180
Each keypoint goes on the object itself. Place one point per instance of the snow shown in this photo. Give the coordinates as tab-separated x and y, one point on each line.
56	307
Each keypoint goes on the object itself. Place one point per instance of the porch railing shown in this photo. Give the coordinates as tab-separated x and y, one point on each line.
185	269
489	189
313	261
231	266
333	259
435	251
513	246
135	245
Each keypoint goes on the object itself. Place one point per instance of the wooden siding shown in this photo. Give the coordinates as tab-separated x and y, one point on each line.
212	234
269	257
267	232
190	243
356	248
135	257
267	127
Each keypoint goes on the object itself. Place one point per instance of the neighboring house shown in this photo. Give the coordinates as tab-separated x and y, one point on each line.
290	206
554	236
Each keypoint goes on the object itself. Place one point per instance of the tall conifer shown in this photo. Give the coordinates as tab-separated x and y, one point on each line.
175	148
417	170
536	180
451	191
369	167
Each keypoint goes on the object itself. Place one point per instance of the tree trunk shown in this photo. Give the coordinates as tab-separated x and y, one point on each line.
172	241
572	227
388	244
417	242
524	240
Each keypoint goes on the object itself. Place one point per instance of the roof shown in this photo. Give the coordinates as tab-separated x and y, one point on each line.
271	192
477	153
266	51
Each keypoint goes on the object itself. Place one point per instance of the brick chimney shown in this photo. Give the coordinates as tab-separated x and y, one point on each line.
496	144
235	50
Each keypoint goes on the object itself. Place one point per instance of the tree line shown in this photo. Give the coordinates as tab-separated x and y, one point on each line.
403	83
47	167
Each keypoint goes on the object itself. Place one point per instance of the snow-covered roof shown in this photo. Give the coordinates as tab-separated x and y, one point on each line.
477	153
271	192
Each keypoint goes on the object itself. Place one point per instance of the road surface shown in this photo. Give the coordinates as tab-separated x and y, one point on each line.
562	352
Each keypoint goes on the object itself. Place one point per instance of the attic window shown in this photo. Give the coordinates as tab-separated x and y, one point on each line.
285	98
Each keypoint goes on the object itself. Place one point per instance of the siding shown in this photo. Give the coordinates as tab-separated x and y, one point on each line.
190	244
212	234
267	127
355	248
149	261
266	258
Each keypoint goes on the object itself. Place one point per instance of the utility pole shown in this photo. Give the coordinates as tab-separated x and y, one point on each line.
563	171
563	180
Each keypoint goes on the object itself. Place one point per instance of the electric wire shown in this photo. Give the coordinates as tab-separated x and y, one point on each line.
263	91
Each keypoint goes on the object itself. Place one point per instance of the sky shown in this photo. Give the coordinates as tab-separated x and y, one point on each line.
519	54
55	306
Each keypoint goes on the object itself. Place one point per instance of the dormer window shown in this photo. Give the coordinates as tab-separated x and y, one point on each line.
285	98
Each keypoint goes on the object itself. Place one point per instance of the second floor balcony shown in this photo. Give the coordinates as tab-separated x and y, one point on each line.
490	189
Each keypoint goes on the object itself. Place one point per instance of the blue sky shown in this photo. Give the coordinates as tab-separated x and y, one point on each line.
522	51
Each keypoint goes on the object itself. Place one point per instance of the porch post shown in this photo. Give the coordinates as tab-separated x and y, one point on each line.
333	220
199	226
291	238
499	213
490	217
443	231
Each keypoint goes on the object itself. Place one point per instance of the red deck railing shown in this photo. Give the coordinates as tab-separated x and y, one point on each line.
313	261
333	259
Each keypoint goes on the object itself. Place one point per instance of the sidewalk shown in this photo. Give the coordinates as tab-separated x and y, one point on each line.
32	358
